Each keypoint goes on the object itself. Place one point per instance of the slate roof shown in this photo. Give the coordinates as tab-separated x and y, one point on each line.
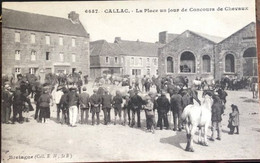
36	22
212	38
139	48
102	48
172	36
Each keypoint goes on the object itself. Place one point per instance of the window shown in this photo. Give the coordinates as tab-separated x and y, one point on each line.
250	62
47	56
229	63
116	60
169	65
136	71
33	38
18	70
187	62
17	36
17	55
148	71
107	60
32	70
148	61
132	61
155	61
140	61
206	63
48	40
73	42
33	55
61	40
73	58
61	57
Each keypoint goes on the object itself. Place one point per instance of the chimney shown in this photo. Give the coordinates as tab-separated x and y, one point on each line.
163	37
117	39
74	17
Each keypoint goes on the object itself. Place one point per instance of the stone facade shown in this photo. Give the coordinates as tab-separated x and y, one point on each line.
211	59
186	43
236	45
39	56
140	66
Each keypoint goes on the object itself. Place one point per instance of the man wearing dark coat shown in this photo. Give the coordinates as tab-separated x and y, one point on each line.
6	104
106	101
95	101
217	111
136	103
17	105
176	106
162	105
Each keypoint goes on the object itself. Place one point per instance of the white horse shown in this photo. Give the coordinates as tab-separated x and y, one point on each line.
197	84
197	116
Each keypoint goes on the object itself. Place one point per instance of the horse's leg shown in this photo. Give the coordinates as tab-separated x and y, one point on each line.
187	128
199	138
192	133
205	134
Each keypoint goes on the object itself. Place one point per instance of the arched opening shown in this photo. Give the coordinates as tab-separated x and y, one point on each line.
187	63
229	63
250	62
169	65
206	63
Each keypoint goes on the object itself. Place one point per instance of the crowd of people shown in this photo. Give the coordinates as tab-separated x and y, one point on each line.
71	102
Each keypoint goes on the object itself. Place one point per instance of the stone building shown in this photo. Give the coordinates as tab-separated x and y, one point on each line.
236	55
105	58
194	55
189	54
39	44
123	57
139	58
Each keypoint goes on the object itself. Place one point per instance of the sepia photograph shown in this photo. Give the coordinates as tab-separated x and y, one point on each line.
106	81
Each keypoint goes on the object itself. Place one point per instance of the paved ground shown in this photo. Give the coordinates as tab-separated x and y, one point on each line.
59	142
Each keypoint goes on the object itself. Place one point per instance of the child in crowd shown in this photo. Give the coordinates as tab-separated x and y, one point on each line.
149	114
233	121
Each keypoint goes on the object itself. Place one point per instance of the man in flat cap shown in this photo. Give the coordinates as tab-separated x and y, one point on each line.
95	101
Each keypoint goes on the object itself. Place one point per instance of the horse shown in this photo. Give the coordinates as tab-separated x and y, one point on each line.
197	116
197	84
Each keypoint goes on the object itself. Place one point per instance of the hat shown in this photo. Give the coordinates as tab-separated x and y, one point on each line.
184	87
84	89
233	106
6	86
95	90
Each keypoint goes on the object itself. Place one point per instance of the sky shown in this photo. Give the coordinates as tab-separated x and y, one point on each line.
146	26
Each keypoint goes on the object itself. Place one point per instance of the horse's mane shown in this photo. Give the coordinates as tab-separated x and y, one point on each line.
207	102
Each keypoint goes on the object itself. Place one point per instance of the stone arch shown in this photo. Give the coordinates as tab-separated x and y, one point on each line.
187	62
169	65
206	63
249	61
230	63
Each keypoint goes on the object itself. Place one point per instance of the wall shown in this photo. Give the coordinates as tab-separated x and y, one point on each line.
187	41
236	44
81	50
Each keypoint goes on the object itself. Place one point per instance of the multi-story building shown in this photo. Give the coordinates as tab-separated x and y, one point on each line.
39	44
105	58
139	58
123	57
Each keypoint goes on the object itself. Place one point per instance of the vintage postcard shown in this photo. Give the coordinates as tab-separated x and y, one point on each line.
129	81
